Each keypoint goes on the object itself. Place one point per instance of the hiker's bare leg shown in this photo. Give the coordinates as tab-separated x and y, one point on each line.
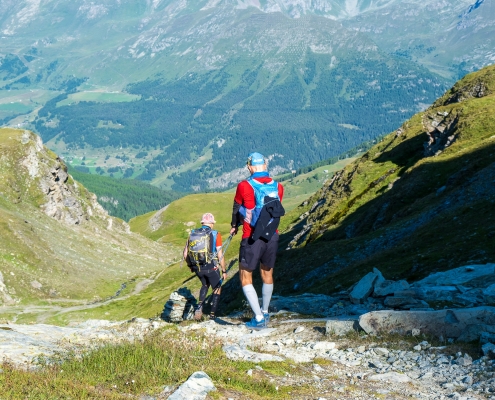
266	275
245	276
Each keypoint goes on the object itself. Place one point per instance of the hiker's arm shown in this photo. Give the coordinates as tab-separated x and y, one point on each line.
236	219
184	252
221	258
184	255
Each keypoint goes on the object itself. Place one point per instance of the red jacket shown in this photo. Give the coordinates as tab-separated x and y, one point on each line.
244	196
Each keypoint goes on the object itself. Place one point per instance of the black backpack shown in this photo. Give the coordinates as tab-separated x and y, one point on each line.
201	249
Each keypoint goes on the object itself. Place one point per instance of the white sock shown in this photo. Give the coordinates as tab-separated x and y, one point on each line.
266	292
252	298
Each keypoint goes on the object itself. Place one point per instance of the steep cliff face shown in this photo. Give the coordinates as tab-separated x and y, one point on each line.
409	202
31	173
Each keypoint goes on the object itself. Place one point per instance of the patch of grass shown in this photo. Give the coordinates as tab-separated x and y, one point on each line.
142	367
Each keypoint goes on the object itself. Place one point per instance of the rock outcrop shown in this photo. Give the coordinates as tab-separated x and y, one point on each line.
37	176
196	387
180	306
450	323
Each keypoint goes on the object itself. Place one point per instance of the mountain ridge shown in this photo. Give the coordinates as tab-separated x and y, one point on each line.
57	243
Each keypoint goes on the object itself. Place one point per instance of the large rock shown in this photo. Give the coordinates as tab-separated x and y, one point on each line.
488	350
399	301
437	293
180	306
307	303
458	276
363	288
196	387
445	323
480	332
341	327
489	294
386	288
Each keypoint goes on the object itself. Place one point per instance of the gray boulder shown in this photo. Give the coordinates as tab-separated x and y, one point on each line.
386	288
489	294
457	276
488	350
445	323
379	278
363	289
436	293
341	327
487	337
481	332
400	301
196	387
307	303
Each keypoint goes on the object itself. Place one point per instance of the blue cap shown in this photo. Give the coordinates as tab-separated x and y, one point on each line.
255	159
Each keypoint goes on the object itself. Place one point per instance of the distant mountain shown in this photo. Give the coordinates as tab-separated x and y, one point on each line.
419	201
302	80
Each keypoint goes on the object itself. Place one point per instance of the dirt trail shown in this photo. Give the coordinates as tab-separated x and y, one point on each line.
48	311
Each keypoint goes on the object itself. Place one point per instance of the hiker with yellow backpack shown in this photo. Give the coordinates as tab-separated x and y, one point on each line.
204	256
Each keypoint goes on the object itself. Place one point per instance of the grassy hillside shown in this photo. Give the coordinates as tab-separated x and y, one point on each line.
58	247
420	201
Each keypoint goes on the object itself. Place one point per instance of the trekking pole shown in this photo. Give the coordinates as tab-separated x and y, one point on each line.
226	245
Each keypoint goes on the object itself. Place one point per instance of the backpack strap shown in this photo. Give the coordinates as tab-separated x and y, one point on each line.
214	242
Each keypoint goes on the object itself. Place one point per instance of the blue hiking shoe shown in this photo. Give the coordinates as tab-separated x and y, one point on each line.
253	324
267	318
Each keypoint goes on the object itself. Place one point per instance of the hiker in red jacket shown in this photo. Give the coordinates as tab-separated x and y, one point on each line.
257	205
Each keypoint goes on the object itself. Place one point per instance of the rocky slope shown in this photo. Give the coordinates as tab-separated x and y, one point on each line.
56	242
322	364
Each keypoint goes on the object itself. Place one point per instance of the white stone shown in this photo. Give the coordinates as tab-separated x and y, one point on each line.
299	329
36	285
196	387
380	351
393	377
323	346
235	352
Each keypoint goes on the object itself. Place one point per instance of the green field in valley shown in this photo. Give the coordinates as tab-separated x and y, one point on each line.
99	97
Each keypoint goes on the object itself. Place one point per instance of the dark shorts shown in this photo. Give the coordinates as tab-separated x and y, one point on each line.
254	251
209	277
